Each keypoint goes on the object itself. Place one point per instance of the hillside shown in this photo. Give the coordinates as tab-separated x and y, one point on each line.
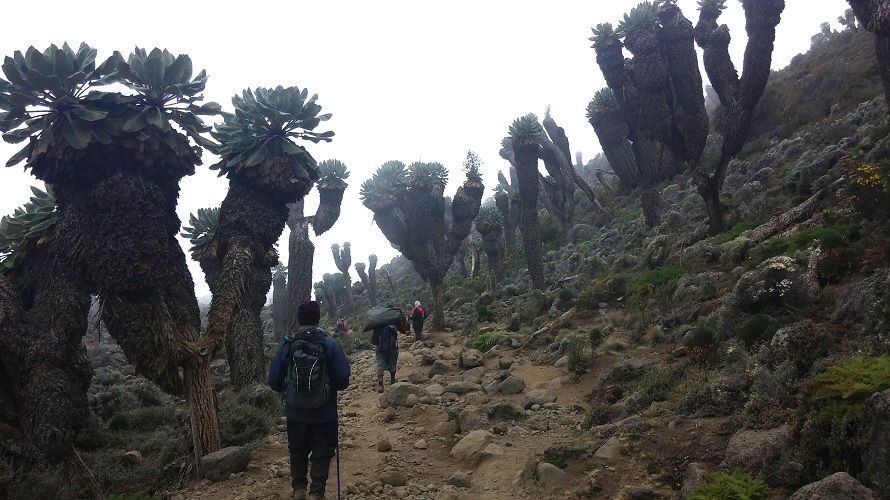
655	358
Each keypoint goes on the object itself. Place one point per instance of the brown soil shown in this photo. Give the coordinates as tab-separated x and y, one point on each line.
647	459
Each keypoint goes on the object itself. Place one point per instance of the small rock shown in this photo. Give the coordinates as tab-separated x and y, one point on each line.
393	478
459	479
421	444
550	476
384	445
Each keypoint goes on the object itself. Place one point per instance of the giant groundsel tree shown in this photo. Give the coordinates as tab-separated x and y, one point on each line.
658	94
267	171
115	161
301	251
409	207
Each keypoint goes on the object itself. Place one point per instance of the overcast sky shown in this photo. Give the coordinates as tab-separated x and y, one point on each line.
405	80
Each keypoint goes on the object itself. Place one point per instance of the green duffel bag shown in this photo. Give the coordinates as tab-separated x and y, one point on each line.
382	316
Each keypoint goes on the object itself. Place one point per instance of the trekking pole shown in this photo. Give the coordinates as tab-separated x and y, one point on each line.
337	451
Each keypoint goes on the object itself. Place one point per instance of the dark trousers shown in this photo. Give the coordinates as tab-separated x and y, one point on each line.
418	330
319	439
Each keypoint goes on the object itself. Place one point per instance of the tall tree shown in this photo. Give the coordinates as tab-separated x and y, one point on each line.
506	199
343	261
605	115
489	223
43	311
331	185
410	209
738	95
525	133
115	162
874	15
369	278
244	341
659	91
279	299
267	171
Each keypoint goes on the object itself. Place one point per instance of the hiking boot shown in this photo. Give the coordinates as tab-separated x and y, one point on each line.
380	387
300	494
317	496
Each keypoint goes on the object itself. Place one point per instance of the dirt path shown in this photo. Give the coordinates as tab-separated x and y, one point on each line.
420	449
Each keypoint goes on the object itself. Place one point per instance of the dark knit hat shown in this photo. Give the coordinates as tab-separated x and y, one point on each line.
308	313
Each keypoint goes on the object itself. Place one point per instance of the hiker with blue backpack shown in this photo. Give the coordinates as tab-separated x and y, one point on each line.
386	322
308	369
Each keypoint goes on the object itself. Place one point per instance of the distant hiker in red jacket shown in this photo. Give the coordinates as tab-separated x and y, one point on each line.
417	319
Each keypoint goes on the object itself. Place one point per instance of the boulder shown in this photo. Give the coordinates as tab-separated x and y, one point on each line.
757	450
461	387
511	385
550	476
471	444
217	466
538	397
505	410
439	367
472	418
473	375
397	394
470	358
393	478
459	479
838	486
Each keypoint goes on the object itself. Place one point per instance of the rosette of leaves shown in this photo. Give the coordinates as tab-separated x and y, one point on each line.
44	97
257	142
331	186
489	218
201	230
643	16
167	94
279	272
384	187
718	5
603	101
432	176
32	223
524	128
47	98
604	34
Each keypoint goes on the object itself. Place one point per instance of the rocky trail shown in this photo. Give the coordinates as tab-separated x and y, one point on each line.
502	424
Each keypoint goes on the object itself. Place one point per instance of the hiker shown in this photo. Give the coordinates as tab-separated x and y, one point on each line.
311	409
418	316
342	326
385	338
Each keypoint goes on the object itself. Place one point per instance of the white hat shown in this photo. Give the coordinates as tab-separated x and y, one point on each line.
416	303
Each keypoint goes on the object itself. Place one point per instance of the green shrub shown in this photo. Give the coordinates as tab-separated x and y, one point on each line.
248	414
829	413
699	337
828	238
599	414
735	486
565	295
655	385
733	233
487	340
603	289
655	278
586	246
762	327
579	354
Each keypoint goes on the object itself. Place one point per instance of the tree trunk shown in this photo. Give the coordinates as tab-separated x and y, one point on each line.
201	399
474	260
710	193
372	279
244	343
527	175
438	309
43	354
502	202
301	253
279	306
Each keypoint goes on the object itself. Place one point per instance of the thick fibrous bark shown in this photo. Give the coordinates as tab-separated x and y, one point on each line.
301	254
343	260
279	305
493	246
244	342
526	152
509	214
614	136
43	317
738	96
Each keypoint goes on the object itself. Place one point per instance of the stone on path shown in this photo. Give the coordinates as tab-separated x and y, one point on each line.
471	444
550	476
219	465
838	486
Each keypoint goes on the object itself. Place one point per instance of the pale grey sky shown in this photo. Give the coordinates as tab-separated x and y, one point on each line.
405	80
